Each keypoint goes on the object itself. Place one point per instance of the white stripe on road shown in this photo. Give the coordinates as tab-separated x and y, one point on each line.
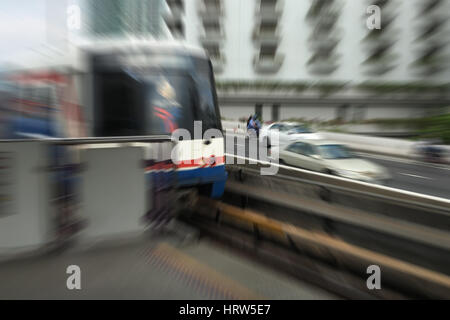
415	176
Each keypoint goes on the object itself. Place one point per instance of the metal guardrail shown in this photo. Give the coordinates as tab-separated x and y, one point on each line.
314	178
337	214
284	172
398	273
94	140
404	232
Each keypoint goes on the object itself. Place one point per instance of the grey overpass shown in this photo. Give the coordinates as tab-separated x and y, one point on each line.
233	99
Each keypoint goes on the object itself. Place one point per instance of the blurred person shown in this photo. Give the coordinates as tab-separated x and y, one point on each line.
254	125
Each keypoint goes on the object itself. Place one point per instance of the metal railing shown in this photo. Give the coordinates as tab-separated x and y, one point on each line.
94	140
325	180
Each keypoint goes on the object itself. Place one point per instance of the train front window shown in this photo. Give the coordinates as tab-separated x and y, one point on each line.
118	110
154	94
208	107
170	100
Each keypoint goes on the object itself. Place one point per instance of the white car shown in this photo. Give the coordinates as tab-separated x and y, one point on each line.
280	133
332	158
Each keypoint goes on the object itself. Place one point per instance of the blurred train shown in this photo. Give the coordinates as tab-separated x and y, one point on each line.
124	89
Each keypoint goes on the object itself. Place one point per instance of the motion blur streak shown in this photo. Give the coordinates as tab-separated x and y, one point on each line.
158	145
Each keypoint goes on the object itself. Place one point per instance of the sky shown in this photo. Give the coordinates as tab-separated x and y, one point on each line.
22	25
25	31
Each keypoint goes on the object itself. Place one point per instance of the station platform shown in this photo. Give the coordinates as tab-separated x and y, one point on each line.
168	265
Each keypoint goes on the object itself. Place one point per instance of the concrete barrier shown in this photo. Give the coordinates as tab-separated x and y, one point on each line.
387	146
113	192
112	186
373	144
26	214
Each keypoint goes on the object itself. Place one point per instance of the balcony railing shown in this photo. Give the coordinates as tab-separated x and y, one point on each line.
382	42
268	64
268	17
266	37
210	8
432	59
432	28
218	63
428	6
268	11
380	65
323	44
319	8
213	37
379	70
323	66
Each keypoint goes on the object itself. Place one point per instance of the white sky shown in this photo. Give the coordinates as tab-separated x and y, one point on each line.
25	32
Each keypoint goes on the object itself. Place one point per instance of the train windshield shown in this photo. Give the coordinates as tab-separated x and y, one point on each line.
170	101
154	95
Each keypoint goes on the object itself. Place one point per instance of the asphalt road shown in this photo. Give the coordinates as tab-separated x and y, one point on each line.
424	178
415	176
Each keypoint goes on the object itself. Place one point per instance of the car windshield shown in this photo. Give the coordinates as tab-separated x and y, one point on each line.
334	151
299	129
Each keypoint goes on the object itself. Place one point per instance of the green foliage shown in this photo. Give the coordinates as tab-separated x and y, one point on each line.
436	127
410	87
324	87
261	85
431	127
327	87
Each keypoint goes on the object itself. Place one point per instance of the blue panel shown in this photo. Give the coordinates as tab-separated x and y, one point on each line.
201	176
217	176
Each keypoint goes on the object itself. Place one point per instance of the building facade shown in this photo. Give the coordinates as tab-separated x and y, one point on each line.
317	59
118	18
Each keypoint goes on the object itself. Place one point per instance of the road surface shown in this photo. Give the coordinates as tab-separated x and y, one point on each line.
410	175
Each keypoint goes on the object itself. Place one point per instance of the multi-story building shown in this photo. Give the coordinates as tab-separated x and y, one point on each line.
317	59
116	18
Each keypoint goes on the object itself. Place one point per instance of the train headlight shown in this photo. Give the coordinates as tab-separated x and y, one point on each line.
211	161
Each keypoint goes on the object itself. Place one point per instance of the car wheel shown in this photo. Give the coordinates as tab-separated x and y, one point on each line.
240	175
